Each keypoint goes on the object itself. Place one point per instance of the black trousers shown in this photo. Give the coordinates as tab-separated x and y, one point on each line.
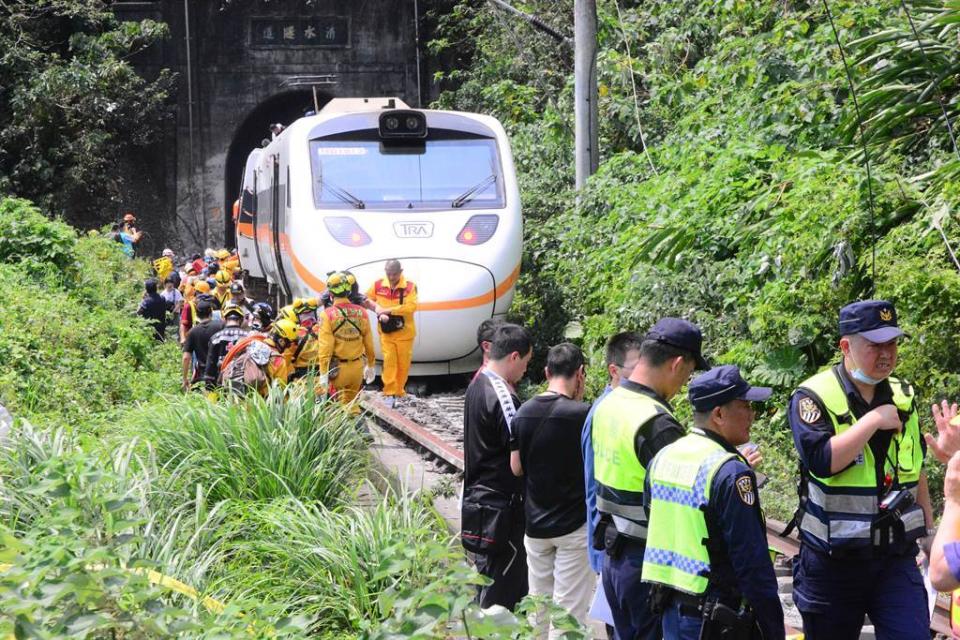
508	570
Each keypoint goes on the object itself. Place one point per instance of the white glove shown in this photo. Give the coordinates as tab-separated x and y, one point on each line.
369	373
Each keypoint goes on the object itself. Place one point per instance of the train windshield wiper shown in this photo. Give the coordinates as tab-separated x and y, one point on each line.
472	192
343	195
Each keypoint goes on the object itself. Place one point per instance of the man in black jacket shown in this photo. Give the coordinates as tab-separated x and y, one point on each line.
492	510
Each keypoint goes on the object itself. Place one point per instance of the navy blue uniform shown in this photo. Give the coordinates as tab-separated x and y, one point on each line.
739	559
834	593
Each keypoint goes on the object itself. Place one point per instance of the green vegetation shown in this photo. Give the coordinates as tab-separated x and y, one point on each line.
748	210
72	350
74	110
258	450
127	510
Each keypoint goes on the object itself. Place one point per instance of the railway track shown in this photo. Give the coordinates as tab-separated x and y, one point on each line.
434	427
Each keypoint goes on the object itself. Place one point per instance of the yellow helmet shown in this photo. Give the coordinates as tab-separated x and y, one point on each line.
287	313
300	305
338	284
222	277
233	310
223	254
286	329
201	286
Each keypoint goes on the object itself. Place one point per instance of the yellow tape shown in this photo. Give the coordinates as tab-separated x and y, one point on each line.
157	578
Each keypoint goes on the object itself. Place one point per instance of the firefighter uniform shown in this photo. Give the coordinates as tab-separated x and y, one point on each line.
396	346
859	527
706	544
344	333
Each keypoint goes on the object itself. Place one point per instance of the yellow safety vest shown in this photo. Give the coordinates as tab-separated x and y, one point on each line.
681	476
840	509
618	472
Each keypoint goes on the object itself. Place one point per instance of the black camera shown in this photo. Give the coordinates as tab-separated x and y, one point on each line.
896	502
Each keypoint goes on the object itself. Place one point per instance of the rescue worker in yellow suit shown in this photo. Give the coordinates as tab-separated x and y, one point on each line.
344	333
304	350
394	299
229	262
222	291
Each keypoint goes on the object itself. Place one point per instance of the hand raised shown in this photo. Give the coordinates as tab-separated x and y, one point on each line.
947	440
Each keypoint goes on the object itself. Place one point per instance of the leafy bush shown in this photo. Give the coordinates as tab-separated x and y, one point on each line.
283	446
29	239
70	344
748	210
80	537
445	605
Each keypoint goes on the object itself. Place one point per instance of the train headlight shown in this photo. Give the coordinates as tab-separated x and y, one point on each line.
346	231
403	123
478	229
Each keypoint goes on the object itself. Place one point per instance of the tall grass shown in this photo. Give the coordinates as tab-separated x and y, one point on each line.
283	446
176	534
327	562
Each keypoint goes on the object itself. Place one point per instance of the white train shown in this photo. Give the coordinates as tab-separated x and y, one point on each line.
369	179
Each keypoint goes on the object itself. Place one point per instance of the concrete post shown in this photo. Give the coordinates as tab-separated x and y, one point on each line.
585	89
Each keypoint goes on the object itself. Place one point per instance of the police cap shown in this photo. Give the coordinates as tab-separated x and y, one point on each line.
875	320
720	385
681	334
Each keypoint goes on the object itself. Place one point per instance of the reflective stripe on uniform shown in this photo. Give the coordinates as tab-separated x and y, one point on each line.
832	500
635	512
680	482
629	527
668	558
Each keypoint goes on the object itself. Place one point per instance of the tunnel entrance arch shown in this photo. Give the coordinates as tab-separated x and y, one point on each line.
284	108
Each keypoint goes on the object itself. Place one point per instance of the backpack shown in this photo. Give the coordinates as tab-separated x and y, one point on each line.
245	365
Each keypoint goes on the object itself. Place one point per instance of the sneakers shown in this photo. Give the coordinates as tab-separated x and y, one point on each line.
389	401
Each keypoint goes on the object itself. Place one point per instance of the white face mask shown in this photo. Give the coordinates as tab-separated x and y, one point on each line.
860	375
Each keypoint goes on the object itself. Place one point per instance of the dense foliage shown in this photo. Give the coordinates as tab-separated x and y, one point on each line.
71	347
748	210
71	103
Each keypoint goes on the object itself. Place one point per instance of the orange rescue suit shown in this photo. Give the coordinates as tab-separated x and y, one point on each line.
345	333
397	346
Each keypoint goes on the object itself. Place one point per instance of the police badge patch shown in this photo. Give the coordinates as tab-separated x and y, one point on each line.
745	490
809	411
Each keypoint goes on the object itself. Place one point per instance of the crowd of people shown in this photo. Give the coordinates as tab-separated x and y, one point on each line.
619	512
232	342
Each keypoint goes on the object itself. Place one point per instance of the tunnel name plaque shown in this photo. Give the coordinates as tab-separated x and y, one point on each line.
314	31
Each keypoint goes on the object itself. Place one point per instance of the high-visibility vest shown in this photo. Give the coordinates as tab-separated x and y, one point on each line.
955	613
163	266
618	472
841	508
681	476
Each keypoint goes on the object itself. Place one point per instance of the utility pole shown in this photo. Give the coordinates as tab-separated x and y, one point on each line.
585	89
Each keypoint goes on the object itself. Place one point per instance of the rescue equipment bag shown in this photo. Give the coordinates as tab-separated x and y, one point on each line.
392	323
244	366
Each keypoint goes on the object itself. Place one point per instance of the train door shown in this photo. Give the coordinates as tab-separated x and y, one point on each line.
246	223
278	220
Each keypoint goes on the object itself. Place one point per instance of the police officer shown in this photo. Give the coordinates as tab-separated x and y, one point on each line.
344	332
864	501
706	541
630	425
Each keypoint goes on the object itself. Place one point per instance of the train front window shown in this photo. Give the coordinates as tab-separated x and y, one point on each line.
360	171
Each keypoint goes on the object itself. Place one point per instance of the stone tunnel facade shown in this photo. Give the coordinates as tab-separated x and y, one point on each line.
242	65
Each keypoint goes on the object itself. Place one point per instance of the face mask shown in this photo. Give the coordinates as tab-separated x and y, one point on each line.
860	376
